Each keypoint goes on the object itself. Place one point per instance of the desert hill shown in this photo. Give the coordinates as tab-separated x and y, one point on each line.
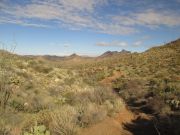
65	95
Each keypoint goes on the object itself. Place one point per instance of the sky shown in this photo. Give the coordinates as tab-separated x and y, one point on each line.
87	27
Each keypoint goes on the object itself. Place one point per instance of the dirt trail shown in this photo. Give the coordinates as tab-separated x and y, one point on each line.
109	80
125	123
110	126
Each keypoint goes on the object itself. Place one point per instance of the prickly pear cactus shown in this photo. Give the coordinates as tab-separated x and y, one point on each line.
174	103
38	130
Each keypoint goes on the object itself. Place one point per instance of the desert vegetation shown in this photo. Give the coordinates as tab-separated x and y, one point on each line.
40	96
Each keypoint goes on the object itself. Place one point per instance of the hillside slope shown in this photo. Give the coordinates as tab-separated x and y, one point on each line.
80	94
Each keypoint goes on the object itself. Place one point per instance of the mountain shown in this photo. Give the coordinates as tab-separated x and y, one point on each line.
108	53
124	51
112	53
73	56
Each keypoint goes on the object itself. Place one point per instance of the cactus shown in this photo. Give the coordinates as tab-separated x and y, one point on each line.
38	130
174	103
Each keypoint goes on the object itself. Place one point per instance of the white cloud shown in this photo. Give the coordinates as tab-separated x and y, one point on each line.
149	18
113	43
74	14
155	18
80	14
20	22
81	5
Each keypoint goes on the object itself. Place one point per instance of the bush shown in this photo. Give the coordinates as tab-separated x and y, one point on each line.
158	106
32	120
40	67
17	105
130	89
64	121
100	94
6	86
89	114
114	106
4	129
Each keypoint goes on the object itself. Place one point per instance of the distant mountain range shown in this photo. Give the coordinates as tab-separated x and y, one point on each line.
111	53
75	56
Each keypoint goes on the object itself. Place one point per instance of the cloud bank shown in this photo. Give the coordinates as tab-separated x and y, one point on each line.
92	15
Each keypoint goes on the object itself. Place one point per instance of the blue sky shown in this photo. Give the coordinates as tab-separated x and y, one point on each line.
87	27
